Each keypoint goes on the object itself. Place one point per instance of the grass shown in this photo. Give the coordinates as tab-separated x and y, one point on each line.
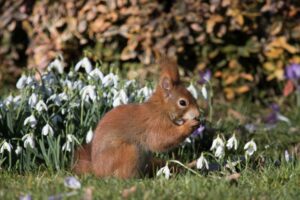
271	183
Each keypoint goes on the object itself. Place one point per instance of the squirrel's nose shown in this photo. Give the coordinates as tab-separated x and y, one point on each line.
192	113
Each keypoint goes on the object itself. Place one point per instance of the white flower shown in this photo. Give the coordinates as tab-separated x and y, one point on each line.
6	146
8	100
57	65
47	129
88	93
120	98
18	150
218	146
31	120
110	80
193	91
250	148
96	74
67	145
204	92
145	92
56	99
40	106
164	171
202	162
84	63
89	136
21	82
232	143
220	152
28	141
72	182
33	99
287	156
63	96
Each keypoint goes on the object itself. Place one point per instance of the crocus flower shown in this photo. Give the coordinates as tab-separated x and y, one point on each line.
202	162
57	65
21	82
41	106
6	146
31	121
204	76
28	141
84	63
198	131
218	146
164	171
250	147
47	130
276	116
232	143
292	72
89	136
88	93
25	197
72	182
193	90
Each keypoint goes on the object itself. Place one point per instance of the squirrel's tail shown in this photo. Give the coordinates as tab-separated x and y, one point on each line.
83	159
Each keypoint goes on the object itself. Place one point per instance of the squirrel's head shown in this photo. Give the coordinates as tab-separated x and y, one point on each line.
177	101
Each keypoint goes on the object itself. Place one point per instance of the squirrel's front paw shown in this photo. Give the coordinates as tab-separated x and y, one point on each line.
190	125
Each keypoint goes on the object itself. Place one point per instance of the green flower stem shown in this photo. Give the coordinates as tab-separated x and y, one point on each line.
185	167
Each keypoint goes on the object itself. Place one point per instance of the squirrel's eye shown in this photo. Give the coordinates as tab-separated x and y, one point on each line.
182	103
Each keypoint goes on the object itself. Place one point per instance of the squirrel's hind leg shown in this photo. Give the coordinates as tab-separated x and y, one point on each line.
120	161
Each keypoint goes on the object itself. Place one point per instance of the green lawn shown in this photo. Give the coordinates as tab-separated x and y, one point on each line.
281	182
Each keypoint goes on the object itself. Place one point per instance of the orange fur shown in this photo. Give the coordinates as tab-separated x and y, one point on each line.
126	135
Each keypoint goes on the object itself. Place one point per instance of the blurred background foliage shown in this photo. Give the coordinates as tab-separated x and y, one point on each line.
245	43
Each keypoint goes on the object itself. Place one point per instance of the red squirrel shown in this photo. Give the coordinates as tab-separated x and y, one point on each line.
127	135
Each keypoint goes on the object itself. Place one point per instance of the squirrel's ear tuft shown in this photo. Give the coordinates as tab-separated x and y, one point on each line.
169	70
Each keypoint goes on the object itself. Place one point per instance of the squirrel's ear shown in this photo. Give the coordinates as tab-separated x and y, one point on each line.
166	83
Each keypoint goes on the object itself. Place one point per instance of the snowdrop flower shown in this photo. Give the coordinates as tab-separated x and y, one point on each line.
120	98
57	65
204	92
96	74
78	85
32	100
63	96
202	162
28	141
49	79
110	80
67	145
84	63
17	99
18	150
193	91
8	100
88	93
218	146
287	156
47	130
89	136
31	120
40	106
250	148
232	143
6	146
145	92
164	171
21	82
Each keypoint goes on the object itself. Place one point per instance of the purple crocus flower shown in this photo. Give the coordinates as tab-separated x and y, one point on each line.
198	131
275	116
205	76
292	72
